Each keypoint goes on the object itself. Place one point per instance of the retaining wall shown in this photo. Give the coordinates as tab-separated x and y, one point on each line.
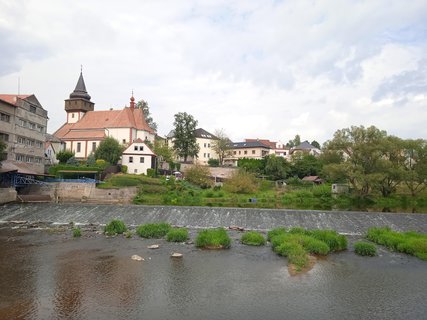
7	195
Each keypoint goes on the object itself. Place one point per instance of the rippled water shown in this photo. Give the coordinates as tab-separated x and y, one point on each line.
47	275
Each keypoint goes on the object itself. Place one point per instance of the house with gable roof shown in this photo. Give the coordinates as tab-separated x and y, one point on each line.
86	128
138	157
306	148
246	149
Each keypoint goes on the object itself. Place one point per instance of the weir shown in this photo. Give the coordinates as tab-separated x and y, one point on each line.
347	222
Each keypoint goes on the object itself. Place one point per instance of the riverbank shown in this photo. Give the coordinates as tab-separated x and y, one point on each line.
345	222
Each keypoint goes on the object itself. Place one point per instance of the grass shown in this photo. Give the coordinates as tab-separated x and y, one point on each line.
77	232
253	238
365	249
153	230
213	239
128	234
411	243
177	235
115	227
297	243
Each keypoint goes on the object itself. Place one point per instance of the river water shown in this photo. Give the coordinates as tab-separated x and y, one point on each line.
48	274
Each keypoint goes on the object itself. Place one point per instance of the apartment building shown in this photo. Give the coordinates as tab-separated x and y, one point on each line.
23	123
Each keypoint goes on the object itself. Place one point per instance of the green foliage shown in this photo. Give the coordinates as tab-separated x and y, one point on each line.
91	161
199	176
109	150
365	249
213	162
128	234
295	253
177	235
184	142
124	168
63	156
151	172
142	104
255	166
3	147
335	241
101	163
407	242
276	168
305	165
115	227
221	146
253	238
77	232
213	239
73	162
275	232
153	230
241	182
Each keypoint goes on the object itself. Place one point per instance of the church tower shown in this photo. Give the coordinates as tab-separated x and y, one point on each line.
79	102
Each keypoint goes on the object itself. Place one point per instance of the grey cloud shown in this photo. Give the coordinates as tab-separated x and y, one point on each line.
406	83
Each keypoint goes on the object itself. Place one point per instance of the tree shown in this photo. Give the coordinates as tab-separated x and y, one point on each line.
63	156
184	138
305	165
221	146
316	144
415	168
164	152
295	142
276	167
109	150
142	104
362	151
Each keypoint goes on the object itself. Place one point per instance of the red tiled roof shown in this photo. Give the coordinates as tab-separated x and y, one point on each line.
84	134
267	142
11	98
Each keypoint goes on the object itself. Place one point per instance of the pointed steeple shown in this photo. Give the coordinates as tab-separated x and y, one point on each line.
80	90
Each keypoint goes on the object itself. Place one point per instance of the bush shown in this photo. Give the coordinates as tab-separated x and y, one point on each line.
77	232
63	156
213	162
241	182
253	238
101	163
365	249
335	241
151	172
115	227
275	232
73	162
199	176
295	254
153	230
177	235
124	168
213	239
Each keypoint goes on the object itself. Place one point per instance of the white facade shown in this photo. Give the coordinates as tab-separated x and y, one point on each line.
138	157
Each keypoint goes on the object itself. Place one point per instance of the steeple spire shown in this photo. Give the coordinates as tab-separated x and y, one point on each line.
80	90
132	101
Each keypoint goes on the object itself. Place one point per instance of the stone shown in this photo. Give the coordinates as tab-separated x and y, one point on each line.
176	255
153	246
237	228
137	258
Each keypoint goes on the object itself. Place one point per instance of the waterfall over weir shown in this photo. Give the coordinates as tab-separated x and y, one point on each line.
207	217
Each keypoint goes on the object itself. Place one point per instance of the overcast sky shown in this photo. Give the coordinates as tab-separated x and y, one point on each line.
256	68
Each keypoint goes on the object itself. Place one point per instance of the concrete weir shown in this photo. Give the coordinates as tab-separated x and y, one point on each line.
345	222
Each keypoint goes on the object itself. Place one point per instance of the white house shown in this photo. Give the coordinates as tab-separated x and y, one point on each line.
138	157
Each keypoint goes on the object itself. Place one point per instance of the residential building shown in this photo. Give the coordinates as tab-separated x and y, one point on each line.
205	140
277	148
23	123
250	150
138	157
53	145
86	128
305	148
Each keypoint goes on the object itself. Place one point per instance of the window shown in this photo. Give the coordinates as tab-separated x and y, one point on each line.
124	141
239	152
141	160
135	171
93	146
33	109
135	148
79	146
4	117
30	143
28	159
130	159
22	122
209	155
72	115
20	157
4	136
246	152
39	144
141	148
209	145
204	155
38	160
234	152
40	128
32	125
253	151
204	145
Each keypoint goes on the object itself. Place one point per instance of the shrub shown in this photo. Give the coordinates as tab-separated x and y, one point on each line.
73	162
241	182
124	168
63	156
151	172
115	227
295	254
409	242
213	162
275	232
101	163
77	232
213	239
335	241
253	238
177	235
199	176
365	249
153	230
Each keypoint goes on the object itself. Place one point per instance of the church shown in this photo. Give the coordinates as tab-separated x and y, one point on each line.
86	128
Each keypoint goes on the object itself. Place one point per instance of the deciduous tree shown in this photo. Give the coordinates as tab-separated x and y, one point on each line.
184	142
142	104
221	146
109	150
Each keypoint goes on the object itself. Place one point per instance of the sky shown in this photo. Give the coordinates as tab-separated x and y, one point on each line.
254	68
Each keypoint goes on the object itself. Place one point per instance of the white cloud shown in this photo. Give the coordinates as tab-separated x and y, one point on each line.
255	68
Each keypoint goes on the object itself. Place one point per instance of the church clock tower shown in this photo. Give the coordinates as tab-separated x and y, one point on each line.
79	102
